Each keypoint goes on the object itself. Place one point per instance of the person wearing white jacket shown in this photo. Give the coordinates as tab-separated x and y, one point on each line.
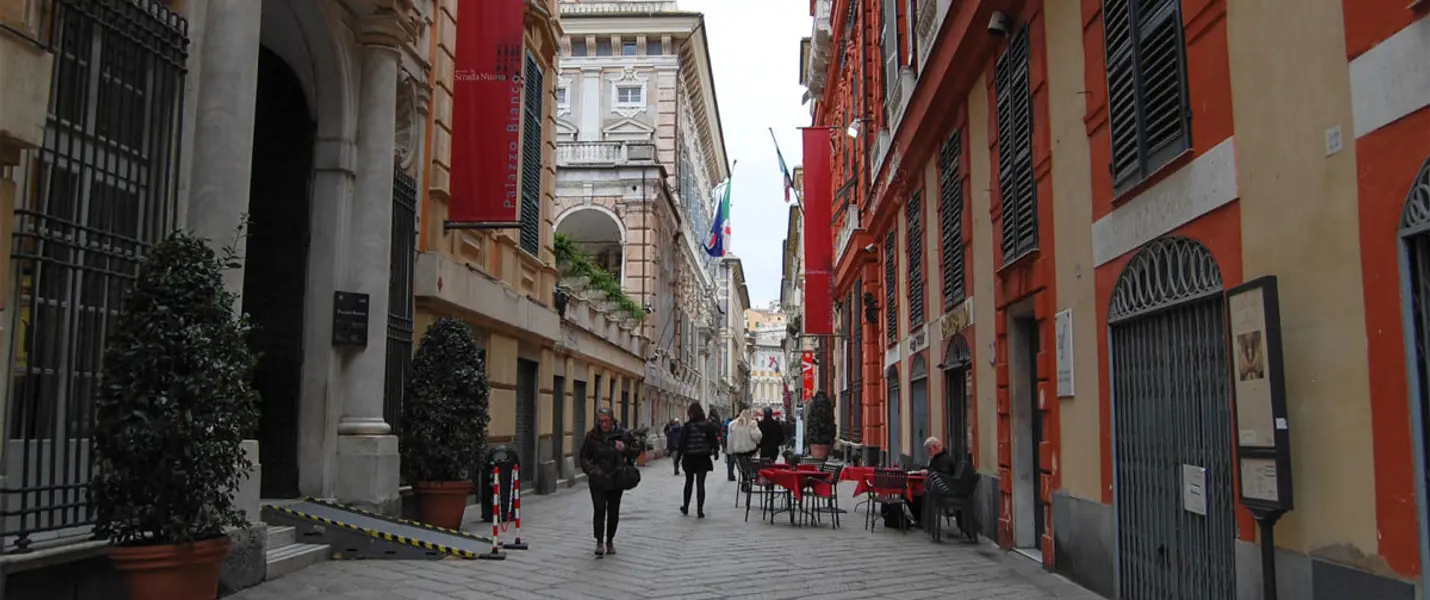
744	437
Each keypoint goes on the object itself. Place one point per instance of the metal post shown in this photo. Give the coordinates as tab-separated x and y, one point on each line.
496	553
1266	522
516	508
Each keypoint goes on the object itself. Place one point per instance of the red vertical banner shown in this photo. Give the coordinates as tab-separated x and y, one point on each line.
806	363
818	242
486	114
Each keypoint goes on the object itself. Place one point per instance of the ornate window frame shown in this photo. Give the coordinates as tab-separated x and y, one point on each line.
628	78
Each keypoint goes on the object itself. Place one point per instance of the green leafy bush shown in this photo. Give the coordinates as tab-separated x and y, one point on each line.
579	265
175	403
819	421
446	412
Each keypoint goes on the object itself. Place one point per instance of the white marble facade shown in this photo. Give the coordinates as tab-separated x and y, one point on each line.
365	85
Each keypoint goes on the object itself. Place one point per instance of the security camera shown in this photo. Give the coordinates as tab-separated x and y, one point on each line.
999	23
871	248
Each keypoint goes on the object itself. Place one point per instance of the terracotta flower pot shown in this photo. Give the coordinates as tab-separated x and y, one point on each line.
441	503
172	572
819	450
641	458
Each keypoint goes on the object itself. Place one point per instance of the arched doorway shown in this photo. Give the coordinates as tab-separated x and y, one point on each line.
895	456
957	361
599	234
1415	242
1171	407
918	408
275	266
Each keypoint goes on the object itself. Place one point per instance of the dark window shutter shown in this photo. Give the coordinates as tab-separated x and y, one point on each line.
1017	188
1147	105
531	143
889	42
950	218
914	217
891	285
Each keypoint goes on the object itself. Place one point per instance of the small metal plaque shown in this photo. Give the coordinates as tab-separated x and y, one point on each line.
351	312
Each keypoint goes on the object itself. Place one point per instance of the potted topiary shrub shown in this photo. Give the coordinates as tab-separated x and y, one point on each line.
444	421
820	428
170	418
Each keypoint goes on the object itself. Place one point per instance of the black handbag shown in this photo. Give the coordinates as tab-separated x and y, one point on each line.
627	476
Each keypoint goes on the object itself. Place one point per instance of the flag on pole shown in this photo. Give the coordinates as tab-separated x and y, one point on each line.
720	226
784	169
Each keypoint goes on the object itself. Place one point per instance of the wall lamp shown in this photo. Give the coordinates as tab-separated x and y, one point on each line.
855	128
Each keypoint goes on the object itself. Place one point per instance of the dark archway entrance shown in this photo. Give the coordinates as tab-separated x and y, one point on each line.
957	361
1415	243
276	264
1171	408
918	409
895	456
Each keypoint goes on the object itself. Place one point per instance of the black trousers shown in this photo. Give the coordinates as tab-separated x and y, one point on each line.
675	459
696	479
606	513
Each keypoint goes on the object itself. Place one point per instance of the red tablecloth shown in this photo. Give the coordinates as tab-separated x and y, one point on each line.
793	480
864	479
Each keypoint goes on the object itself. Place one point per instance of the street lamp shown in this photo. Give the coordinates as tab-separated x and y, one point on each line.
855	127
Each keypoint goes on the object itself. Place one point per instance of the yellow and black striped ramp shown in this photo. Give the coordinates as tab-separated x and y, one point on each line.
358	534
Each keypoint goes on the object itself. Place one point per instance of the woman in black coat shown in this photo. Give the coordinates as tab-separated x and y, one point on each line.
772	436
699	447
606	450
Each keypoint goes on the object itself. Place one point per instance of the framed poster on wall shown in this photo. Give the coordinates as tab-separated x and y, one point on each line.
1261	430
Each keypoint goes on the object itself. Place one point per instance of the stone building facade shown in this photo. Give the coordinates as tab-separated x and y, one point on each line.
639	152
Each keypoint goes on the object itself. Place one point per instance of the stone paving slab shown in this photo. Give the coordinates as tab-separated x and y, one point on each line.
663	554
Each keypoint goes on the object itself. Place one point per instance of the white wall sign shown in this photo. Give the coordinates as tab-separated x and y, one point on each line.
1194	489
1065	353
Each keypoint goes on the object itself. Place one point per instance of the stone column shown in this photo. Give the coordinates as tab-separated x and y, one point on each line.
367	452
222	150
591	109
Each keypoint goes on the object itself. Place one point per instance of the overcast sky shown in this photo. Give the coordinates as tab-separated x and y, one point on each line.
754	48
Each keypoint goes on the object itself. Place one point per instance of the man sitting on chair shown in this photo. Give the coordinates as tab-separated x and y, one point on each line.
942	465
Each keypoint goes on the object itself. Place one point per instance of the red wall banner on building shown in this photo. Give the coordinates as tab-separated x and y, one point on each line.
486	114
807	365
818	243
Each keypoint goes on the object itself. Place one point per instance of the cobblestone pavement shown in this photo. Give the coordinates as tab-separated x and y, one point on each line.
663	554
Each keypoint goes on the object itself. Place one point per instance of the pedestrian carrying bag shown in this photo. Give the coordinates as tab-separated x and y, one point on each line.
627	476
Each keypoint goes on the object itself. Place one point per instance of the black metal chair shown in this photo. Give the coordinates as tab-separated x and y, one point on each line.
753	485
828	502
889	488
949	498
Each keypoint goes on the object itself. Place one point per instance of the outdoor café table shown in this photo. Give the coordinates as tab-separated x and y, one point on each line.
864	479
794	480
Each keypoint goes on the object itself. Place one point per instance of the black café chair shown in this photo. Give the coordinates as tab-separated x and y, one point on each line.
888	490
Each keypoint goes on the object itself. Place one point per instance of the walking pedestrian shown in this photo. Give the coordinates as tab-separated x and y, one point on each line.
672	442
699	446
725	446
772	436
744	437
606	451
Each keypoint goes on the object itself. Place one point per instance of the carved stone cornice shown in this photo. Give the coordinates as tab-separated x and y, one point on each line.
387	27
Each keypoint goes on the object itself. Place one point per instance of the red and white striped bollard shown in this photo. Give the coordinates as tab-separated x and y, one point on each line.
496	552
516	508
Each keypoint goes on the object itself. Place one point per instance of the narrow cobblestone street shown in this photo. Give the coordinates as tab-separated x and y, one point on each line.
663	554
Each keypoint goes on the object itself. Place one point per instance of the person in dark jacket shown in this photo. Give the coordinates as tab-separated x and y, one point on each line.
672	442
606	450
699	446
772	436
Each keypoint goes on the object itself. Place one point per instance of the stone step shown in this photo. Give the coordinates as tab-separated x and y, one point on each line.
279	537
292	557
